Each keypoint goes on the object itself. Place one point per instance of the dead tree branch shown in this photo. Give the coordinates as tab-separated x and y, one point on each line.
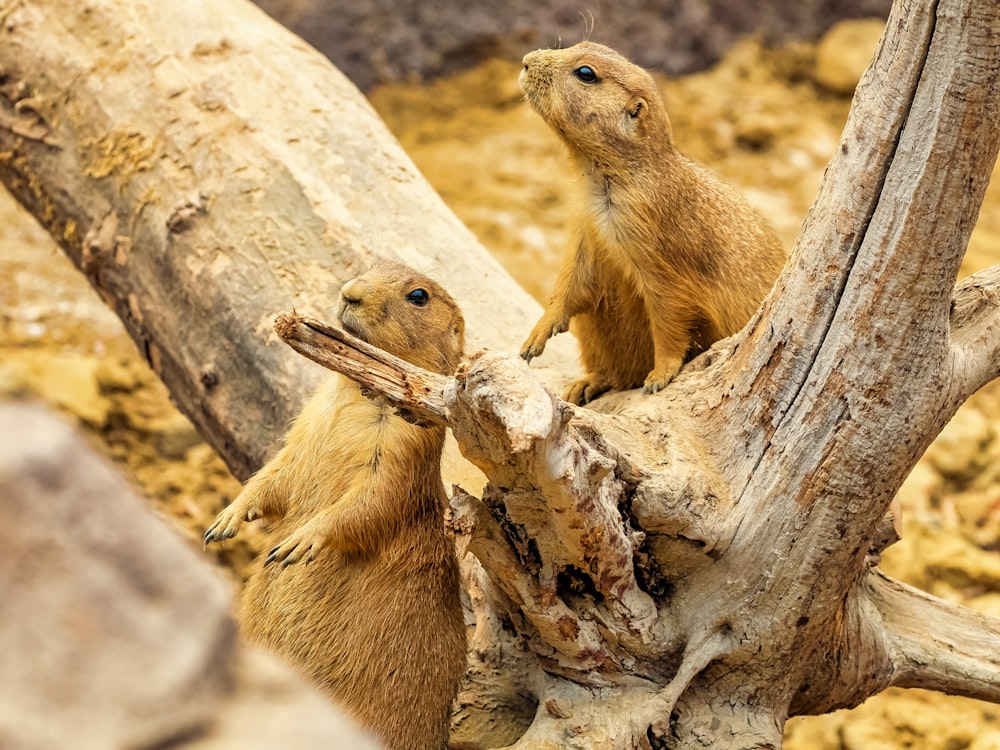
409	388
975	331
960	656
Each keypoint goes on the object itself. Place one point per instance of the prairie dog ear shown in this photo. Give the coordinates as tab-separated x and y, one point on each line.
637	108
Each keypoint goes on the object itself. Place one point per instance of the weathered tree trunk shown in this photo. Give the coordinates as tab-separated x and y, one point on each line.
681	570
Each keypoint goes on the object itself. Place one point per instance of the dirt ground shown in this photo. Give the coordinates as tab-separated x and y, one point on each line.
758	118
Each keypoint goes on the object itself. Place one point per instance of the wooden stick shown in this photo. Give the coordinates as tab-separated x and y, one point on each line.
415	391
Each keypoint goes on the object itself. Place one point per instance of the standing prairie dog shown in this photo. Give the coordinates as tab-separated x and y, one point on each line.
373	612
665	258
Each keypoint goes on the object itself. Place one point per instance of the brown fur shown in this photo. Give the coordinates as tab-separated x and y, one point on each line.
665	258
373	613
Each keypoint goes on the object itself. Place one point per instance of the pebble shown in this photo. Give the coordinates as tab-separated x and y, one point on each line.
844	53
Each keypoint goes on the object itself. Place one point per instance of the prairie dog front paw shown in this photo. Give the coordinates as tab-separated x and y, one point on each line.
658	379
302	545
227	524
547	327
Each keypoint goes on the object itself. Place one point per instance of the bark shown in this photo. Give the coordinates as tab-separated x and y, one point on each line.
679	570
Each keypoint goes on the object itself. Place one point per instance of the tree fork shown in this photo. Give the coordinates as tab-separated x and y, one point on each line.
874	641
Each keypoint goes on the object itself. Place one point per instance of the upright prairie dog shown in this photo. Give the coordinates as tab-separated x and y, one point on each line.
665	259
374	617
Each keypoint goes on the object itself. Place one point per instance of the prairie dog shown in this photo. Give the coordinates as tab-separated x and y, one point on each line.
372	612
665	259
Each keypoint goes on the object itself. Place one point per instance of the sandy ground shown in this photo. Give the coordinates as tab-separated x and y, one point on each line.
758	118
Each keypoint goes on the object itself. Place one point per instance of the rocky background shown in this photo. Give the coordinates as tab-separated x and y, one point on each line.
389	41
767	117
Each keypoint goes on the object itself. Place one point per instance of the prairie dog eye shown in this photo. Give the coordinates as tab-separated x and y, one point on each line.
418	297
586	74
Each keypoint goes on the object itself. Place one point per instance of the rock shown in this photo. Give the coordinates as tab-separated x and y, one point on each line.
115	632
758	131
66	380
897	719
978	510
920	490
814	732
987	740
942	561
120	637
958	452
118	375
987	604
982	251
174	436
914	718
273	708
844	52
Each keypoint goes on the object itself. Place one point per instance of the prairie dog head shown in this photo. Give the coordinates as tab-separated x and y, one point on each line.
393	307
604	107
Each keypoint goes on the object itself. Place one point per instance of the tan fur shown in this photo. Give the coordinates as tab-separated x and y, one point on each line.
372	613
665	259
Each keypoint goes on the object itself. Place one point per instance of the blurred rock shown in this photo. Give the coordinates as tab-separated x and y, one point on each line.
920	490
988	604
894	720
988	740
115	633
959	451
65	379
913	719
844	52
983	244
272	709
758	131
174	436
382	41
978	511
940	557
118	375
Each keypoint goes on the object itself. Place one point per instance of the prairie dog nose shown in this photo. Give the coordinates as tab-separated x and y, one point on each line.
353	292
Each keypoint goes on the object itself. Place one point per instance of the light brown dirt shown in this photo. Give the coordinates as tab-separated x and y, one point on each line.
758	119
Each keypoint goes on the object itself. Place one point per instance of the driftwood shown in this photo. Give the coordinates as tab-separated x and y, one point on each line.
681	570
